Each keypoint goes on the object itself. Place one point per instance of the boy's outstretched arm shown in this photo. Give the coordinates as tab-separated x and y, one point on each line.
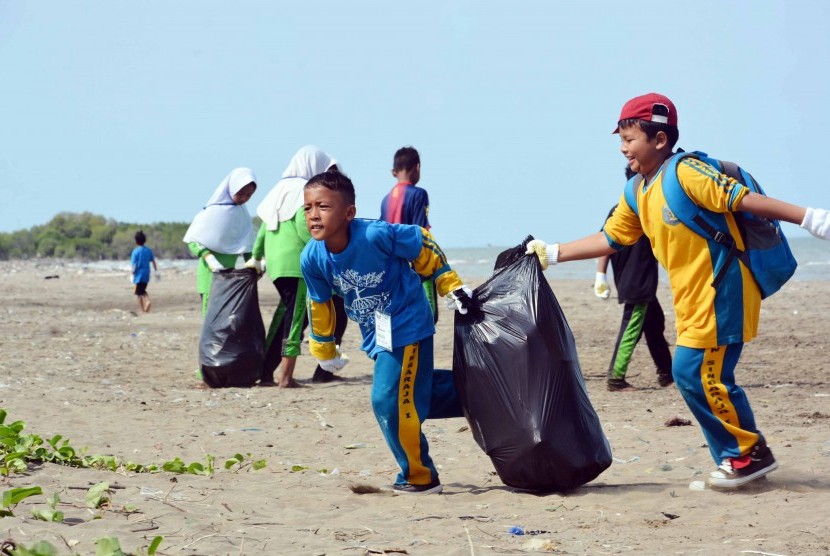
432	263
815	221
594	245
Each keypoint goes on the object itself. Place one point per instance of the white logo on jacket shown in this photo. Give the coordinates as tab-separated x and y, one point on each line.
362	308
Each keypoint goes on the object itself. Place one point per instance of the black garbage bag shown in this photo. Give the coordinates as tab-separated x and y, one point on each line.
518	377
231	348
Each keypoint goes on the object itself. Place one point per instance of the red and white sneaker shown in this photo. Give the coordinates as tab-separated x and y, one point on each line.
734	472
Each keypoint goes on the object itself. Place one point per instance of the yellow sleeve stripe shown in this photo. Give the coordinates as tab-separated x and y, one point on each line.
447	282
429	243
431	261
322	350
736	189
321	319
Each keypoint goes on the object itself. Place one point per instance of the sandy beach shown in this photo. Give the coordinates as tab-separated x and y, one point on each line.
79	361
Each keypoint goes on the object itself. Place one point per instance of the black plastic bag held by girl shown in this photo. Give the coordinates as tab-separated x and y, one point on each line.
233	336
520	384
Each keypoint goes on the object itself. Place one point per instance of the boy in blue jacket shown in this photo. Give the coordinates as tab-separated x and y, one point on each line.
375	266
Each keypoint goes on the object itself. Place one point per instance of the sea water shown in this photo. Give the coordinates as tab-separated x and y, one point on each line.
475	264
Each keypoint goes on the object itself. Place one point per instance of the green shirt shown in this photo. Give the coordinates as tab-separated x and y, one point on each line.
281	248
204	277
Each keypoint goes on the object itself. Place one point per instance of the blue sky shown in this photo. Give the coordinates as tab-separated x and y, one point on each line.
137	110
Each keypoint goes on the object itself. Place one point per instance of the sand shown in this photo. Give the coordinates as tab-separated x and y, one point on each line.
80	362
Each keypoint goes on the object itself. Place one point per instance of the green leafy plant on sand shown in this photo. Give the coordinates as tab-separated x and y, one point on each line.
17	450
238	462
52	513
178	466
11	498
105	546
98	497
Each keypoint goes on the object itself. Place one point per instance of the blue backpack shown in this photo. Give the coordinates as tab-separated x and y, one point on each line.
766	251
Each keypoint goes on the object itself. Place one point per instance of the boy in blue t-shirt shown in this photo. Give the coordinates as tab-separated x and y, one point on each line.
140	260
376	268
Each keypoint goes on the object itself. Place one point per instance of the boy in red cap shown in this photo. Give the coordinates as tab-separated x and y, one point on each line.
713	322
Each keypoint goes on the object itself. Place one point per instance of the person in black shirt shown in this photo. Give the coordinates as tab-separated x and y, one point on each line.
635	276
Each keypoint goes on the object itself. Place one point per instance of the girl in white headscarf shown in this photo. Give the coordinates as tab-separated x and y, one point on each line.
222	230
280	241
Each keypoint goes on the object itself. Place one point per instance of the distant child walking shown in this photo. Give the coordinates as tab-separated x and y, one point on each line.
409	204
377	268
714	320
140	260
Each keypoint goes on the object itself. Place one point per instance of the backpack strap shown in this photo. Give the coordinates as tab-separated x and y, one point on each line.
630	192
700	220
632	186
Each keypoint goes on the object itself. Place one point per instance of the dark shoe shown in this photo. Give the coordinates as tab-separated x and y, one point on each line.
322	375
734	472
665	379
619	384
434	487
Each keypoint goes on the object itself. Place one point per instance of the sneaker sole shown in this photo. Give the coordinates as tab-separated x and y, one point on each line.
740	481
628	388
434	490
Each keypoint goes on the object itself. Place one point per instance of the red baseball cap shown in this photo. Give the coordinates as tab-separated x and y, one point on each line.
642	108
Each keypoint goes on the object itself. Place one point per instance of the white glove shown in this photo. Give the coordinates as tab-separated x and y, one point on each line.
158	276
213	263
548	254
256	264
336	364
817	222
460	299
601	288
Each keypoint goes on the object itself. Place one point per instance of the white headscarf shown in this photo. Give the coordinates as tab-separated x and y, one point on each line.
223	226
285	199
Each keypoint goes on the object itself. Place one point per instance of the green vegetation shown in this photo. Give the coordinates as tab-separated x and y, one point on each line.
98	497
19	450
105	546
92	237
